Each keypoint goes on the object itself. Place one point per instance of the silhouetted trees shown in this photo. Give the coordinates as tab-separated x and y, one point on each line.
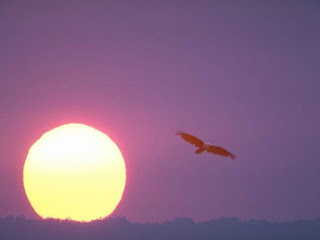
119	228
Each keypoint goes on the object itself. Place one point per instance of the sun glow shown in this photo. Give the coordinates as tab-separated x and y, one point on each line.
74	172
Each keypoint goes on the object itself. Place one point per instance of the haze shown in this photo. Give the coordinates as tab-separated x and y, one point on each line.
243	76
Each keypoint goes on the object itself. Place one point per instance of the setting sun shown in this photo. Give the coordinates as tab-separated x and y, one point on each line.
74	172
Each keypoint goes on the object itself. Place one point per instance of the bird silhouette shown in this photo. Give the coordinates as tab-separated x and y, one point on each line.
202	146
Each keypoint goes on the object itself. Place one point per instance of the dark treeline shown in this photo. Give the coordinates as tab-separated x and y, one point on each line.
180	228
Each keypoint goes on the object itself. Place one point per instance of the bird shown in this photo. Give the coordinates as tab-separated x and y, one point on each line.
202	146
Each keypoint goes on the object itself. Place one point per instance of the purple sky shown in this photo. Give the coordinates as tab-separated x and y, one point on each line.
241	75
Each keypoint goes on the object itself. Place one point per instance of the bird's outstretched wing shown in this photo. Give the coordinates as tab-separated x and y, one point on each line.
220	151
190	139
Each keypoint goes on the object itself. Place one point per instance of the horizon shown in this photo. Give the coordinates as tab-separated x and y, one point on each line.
176	219
181	228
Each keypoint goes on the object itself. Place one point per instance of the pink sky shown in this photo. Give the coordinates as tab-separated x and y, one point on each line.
243	76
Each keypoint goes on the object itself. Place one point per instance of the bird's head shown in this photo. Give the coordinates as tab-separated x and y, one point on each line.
206	146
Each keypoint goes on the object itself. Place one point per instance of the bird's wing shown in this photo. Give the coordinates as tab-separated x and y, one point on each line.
220	151
191	139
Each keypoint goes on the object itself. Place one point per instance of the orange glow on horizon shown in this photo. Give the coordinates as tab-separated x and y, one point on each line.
74	172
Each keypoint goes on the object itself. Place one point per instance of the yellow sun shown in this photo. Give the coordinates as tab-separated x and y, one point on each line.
74	172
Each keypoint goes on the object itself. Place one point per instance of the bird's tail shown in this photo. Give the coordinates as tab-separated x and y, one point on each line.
200	150
232	156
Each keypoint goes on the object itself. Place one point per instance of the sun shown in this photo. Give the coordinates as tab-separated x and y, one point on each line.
74	172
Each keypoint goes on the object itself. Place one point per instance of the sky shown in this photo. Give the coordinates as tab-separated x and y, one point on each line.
239	74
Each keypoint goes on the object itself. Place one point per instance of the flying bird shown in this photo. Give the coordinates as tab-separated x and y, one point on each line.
202	146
